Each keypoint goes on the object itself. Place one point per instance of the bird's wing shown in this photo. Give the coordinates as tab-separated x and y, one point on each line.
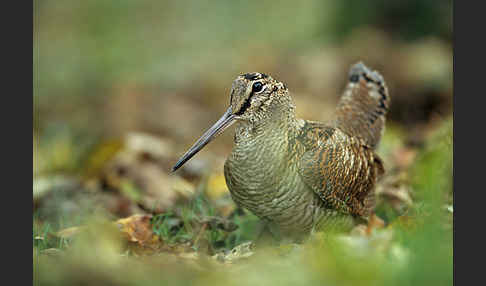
340	169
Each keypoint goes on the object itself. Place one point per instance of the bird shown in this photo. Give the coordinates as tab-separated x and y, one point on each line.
297	175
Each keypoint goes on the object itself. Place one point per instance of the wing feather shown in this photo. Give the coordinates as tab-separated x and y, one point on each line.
341	169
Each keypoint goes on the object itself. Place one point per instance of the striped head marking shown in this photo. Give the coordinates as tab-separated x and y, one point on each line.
253	93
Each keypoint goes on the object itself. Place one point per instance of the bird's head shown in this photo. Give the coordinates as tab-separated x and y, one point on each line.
254	97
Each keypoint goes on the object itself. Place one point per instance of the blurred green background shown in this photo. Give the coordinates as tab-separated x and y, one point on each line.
103	68
107	71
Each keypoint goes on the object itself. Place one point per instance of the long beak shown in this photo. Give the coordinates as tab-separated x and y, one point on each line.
224	122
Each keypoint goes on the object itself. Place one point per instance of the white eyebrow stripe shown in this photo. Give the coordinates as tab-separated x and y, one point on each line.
265	87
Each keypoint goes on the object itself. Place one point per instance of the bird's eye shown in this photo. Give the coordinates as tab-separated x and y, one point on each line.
257	87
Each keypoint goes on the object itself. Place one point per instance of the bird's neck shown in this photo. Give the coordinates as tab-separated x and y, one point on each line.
279	124
261	151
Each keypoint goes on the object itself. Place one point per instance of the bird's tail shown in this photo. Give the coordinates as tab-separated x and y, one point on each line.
362	108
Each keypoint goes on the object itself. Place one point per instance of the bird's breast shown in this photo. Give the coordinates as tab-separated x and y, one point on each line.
262	177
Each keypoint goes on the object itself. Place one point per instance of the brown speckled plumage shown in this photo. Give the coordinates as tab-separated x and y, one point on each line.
297	174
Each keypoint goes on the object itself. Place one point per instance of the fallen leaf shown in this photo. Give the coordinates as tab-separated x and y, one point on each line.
138	173
137	228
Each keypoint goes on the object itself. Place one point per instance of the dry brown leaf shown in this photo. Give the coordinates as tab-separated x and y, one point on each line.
137	228
140	175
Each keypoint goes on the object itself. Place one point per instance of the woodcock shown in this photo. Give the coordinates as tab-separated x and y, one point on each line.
298	175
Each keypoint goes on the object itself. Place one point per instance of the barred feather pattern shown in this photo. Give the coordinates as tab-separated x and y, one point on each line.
362	109
339	169
300	175
275	192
